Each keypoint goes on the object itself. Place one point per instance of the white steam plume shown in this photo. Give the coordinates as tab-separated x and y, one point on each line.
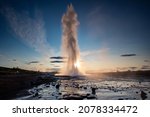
70	46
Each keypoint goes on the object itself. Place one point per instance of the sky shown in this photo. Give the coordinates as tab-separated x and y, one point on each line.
112	34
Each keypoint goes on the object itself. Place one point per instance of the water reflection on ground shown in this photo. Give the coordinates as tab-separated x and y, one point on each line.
100	88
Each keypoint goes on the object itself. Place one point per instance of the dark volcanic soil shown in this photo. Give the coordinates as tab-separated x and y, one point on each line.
16	83
15	80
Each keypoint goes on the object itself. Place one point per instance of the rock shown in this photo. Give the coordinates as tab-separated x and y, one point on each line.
88	94
73	97
137	92
78	96
36	94
143	95
53	84
91	97
57	86
120	99
93	90
76	85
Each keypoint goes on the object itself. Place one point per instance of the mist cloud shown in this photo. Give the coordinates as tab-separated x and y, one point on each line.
127	55
133	68
58	57
57	61
14	60
145	67
32	62
146	60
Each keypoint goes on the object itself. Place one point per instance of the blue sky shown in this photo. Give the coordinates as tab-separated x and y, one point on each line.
108	29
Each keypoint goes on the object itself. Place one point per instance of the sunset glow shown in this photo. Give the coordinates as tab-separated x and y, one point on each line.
75	50
77	64
106	39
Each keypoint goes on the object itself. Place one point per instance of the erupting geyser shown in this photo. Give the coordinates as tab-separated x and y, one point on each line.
70	46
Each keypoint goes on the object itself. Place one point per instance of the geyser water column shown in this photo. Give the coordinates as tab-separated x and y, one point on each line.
70	46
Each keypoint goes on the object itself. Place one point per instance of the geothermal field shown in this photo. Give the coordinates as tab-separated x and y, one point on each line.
71	84
92	88
100	51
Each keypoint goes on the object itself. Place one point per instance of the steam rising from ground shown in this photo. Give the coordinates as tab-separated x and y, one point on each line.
29	29
70	46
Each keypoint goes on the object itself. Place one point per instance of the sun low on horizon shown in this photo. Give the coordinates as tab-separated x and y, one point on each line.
75	36
75	50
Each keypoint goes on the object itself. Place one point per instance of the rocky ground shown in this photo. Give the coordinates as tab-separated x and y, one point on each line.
14	80
21	84
106	88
